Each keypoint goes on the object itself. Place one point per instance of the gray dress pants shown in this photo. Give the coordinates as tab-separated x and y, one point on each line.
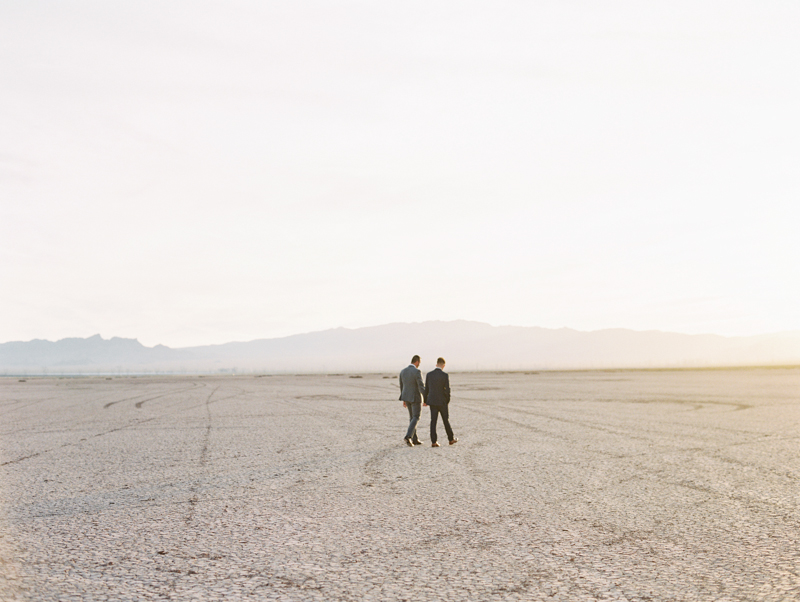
414	409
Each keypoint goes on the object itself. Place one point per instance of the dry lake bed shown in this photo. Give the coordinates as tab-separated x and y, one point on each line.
663	485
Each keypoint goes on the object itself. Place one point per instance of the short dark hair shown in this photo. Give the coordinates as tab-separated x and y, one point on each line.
415	359
440	360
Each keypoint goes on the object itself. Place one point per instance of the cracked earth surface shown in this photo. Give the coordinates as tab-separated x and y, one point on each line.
671	485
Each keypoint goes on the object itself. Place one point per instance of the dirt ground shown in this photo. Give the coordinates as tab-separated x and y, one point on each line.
662	485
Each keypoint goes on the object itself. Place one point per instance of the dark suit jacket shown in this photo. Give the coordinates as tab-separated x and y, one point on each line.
437	388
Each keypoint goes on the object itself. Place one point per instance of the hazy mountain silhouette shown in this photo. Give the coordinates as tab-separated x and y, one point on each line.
465	345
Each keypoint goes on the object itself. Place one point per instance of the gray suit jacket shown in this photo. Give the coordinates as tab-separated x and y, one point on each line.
411	385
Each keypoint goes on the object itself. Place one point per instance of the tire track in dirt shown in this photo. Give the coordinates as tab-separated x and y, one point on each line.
130	424
203	459
141	402
75	443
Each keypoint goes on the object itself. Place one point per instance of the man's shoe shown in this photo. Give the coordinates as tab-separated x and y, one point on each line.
408	442
454	440
417	442
435	444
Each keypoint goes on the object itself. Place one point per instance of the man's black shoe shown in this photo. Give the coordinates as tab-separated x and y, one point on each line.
408	442
416	442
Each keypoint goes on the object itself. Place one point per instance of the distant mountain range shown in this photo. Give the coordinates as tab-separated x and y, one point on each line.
465	345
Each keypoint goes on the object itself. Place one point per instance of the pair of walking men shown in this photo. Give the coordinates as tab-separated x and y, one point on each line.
436	392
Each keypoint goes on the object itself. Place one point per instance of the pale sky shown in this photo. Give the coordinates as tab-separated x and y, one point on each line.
199	172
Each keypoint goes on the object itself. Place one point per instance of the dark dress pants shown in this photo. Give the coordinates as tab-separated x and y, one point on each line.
435	411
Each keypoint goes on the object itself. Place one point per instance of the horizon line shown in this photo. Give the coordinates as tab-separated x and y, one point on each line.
310	332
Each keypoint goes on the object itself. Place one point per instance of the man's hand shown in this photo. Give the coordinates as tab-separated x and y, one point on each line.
424	404
404	404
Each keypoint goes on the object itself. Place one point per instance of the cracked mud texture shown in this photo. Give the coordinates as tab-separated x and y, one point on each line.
673	485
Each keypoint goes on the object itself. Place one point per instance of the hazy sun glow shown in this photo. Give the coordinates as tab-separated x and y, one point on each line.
190	174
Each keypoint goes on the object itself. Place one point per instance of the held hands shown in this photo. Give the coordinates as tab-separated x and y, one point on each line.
424	404
404	404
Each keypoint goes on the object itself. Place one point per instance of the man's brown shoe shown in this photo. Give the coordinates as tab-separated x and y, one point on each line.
455	440
435	444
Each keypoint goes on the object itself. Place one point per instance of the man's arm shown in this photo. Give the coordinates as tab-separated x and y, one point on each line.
421	386
400	378
447	388
425	388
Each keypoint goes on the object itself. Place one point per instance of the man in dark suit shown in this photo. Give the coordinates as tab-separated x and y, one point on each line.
411	391
437	396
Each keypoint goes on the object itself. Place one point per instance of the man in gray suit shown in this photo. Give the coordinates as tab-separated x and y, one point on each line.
411	391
